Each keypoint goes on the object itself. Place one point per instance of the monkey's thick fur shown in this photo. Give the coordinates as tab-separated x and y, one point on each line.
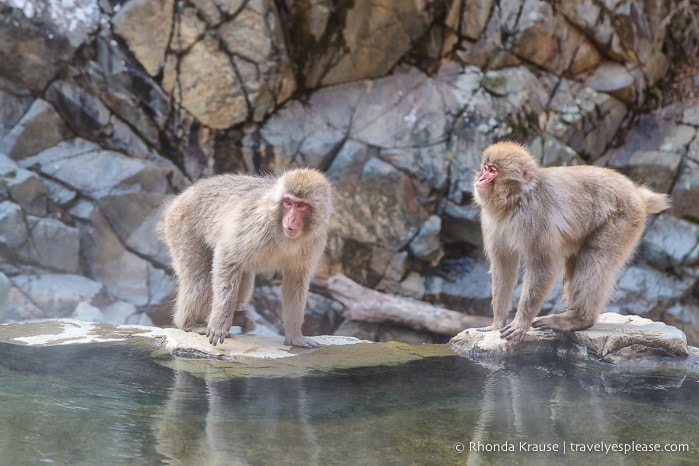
222	230
591	218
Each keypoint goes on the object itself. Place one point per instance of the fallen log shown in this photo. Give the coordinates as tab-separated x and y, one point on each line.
367	305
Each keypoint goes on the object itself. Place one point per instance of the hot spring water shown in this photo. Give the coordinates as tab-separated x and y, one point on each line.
114	404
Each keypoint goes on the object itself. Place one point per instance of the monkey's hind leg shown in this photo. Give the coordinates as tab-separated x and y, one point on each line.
193	305
193	302
589	278
244	320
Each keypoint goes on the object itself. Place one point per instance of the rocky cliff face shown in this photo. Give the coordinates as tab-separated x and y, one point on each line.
108	106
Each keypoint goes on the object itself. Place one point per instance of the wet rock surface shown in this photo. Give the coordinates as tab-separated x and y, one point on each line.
628	341
239	355
625	342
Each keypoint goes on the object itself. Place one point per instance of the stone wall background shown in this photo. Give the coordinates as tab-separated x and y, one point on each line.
109	106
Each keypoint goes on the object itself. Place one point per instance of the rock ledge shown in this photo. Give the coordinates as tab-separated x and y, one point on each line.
239	356
616	338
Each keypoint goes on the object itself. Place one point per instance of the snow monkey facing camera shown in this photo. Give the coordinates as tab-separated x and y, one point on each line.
588	217
221	230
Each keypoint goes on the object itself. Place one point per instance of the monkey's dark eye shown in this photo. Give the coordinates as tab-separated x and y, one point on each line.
490	168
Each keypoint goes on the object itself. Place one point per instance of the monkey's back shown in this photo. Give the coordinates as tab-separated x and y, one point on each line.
592	185
214	204
589	196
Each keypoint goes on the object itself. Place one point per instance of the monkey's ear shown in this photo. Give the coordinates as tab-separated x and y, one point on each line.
527	175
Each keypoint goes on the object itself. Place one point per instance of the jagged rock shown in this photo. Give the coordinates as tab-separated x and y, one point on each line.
463	284
161	286
427	164
210	89
690	116
322	315
139	319
13	229
57	295
75	162
133	217
53	245
392	269
644	291
15	100
83	110
5	287
146	26
426	245
542	37
19	308
29	55
656	169
615	79
584	119
123	273
614	338
40	128
57	193
658	162
118	312
330	56
131	94
551	152
86	312
670	242
685	191
25	188
685	317
250	76
461	224
255	34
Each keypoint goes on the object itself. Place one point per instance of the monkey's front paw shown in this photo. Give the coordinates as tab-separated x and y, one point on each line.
301	342
513	332
217	335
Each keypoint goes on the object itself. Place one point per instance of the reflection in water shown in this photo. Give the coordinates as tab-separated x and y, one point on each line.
111	404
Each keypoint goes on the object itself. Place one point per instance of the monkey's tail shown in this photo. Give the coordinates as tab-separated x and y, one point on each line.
654	202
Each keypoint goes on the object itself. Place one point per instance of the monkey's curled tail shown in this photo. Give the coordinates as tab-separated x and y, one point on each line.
654	202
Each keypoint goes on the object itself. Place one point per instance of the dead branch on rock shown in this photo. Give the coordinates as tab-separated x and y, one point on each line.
367	305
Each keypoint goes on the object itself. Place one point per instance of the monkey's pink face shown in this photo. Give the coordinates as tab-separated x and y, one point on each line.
296	209
489	172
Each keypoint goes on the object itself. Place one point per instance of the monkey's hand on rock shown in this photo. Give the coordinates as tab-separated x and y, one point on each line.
217	335
514	331
301	342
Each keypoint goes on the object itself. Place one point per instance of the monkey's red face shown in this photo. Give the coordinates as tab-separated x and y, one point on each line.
489	172
296	209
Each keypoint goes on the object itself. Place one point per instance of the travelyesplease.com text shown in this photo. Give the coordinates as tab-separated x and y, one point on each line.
571	447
